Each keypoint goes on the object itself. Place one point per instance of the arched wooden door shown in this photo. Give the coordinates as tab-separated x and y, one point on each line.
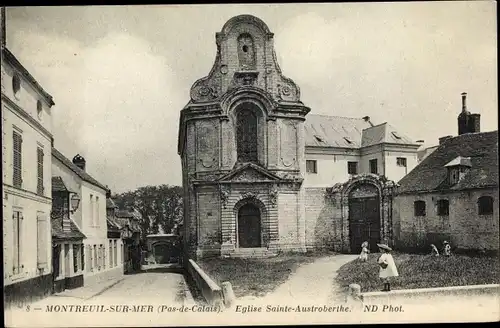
249	226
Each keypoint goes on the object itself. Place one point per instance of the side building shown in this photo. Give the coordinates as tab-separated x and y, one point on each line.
452	194
351	167
26	183
90	218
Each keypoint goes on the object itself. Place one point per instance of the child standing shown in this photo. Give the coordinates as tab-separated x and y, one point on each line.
364	252
447	249
387	266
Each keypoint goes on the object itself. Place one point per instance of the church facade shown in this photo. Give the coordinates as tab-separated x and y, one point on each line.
250	156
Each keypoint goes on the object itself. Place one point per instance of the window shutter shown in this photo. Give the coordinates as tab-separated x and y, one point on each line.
40	188
15	260
17	160
41	241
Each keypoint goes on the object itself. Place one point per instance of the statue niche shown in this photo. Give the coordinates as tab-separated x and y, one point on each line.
246	52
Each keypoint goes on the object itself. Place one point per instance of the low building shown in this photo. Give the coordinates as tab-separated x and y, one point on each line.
67	239
163	248
90	218
126	225
26	183
452	194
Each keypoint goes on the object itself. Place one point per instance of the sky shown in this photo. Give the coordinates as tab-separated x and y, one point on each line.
120	75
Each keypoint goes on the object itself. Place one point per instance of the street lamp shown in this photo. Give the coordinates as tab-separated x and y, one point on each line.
74	202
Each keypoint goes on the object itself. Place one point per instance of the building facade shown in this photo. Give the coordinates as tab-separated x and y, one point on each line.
452	194
67	240
258	170
26	183
90	218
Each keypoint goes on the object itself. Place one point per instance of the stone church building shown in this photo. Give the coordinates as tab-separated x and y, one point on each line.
261	176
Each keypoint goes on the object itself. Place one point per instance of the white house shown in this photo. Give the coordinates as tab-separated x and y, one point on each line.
339	147
26	183
90	218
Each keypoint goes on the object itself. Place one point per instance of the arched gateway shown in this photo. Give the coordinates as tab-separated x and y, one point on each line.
364	212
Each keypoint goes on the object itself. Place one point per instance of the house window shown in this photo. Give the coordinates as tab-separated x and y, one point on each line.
82	256
90	258
401	161
97	218
110	253
91	210
115	253
352	167
311	166
95	256
17	217
443	207
42	243
485	205
39	185
374	166
17	165
76	257
246	124
419	208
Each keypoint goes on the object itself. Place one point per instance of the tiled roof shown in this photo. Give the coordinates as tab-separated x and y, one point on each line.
334	131
58	233
349	132
110	203
431	173
383	133
58	184
81	173
112	225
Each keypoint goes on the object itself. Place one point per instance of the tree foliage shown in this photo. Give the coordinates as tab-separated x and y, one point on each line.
160	207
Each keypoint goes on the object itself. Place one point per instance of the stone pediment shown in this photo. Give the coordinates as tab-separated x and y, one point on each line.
249	173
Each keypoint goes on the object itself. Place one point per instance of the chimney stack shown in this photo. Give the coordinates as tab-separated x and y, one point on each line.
367	119
79	161
464	101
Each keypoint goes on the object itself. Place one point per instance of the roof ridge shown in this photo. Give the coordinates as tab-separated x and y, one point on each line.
337	116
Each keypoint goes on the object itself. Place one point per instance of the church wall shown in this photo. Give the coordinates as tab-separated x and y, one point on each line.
288	135
207	145
322	220
288	220
208	216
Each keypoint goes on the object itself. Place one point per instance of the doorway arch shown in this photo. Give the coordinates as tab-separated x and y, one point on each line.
364	217
249	226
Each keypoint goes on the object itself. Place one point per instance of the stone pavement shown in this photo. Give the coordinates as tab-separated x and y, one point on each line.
88	292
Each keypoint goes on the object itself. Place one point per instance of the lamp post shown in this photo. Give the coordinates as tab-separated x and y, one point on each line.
74	203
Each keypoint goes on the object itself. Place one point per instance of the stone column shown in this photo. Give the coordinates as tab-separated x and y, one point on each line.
346	246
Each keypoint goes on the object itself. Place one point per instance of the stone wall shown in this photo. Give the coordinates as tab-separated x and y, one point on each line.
322	220
464	228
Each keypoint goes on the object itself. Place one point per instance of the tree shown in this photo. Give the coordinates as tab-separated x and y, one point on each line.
160	206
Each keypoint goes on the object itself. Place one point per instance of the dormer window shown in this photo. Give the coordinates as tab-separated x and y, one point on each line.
458	169
348	140
318	138
396	135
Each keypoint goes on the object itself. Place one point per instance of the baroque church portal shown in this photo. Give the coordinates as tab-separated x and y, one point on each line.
242	142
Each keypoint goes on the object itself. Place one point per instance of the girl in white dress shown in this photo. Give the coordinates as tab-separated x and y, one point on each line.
364	252
387	266
446	248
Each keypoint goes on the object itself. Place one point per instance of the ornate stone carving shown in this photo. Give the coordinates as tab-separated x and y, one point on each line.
273	195
207	163
224	69
250	194
224	195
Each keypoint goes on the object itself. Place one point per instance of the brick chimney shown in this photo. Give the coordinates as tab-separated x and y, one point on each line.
79	161
467	122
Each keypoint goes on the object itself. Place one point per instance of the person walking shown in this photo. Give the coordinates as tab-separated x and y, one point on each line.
387	266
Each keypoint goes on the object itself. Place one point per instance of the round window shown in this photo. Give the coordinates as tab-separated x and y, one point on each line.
16	85
39	108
